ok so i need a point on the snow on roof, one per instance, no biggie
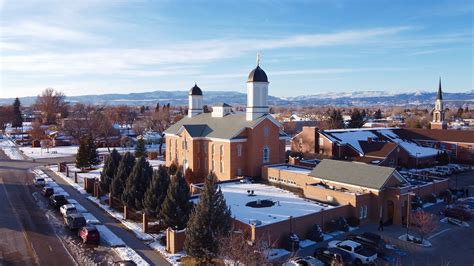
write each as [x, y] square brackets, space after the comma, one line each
[286, 203]
[293, 169]
[352, 137]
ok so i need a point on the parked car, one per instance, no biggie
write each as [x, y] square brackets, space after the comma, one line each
[89, 234]
[458, 213]
[124, 263]
[47, 191]
[75, 221]
[376, 246]
[67, 209]
[333, 256]
[57, 200]
[339, 224]
[306, 261]
[360, 254]
[39, 181]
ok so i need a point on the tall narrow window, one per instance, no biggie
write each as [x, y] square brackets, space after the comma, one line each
[212, 165]
[213, 149]
[222, 150]
[266, 132]
[222, 166]
[266, 154]
[239, 150]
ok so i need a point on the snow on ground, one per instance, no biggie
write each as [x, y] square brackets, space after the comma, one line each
[286, 203]
[78, 206]
[127, 253]
[90, 219]
[293, 169]
[108, 237]
[10, 149]
[306, 243]
[69, 180]
[276, 254]
[67, 151]
[174, 259]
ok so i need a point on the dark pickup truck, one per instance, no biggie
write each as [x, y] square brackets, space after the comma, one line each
[57, 200]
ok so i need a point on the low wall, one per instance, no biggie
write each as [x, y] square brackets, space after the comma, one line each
[276, 233]
[436, 187]
[329, 195]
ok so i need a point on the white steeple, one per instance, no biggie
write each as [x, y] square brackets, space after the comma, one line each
[257, 93]
[195, 101]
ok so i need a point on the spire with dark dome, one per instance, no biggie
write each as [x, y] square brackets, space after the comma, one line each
[195, 90]
[439, 95]
[257, 74]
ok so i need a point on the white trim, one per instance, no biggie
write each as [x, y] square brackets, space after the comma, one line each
[212, 139]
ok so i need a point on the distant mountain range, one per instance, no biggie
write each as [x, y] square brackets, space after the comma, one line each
[361, 98]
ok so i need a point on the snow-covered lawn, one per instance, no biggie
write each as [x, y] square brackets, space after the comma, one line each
[10, 149]
[286, 203]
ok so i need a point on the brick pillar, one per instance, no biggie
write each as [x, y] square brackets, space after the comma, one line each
[84, 183]
[59, 167]
[67, 171]
[110, 200]
[125, 212]
[75, 177]
[145, 223]
[96, 189]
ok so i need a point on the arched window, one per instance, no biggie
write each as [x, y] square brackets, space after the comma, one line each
[213, 149]
[222, 166]
[239, 150]
[266, 154]
[212, 165]
[222, 150]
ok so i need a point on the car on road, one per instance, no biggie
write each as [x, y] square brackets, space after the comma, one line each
[75, 221]
[124, 263]
[57, 200]
[306, 261]
[47, 191]
[360, 254]
[89, 234]
[67, 209]
[39, 181]
[333, 256]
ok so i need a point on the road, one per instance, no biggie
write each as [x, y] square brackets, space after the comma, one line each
[115, 226]
[26, 236]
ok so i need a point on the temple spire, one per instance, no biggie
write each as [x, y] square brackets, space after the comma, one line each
[439, 95]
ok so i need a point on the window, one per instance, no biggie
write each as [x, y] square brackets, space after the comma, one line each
[222, 166]
[212, 165]
[266, 132]
[199, 147]
[222, 150]
[361, 212]
[321, 142]
[171, 148]
[266, 154]
[239, 150]
[453, 146]
[213, 149]
[365, 211]
[443, 146]
[205, 164]
[301, 141]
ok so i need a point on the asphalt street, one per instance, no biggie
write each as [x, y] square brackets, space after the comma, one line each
[26, 236]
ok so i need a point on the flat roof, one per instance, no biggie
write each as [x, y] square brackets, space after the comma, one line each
[292, 168]
[286, 203]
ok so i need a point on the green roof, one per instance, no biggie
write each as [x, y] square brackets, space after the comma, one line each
[204, 125]
[354, 173]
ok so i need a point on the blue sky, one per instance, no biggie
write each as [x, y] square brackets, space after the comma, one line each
[307, 47]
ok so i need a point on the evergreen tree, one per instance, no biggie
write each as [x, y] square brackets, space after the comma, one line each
[92, 153]
[357, 119]
[124, 169]
[176, 207]
[140, 150]
[156, 192]
[210, 220]
[335, 119]
[137, 183]
[17, 119]
[378, 114]
[82, 155]
[110, 170]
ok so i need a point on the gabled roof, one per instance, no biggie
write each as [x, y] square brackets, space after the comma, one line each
[377, 149]
[227, 127]
[353, 173]
[355, 136]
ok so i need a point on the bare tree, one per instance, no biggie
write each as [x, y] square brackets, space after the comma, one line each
[78, 123]
[241, 251]
[424, 223]
[52, 105]
[36, 132]
[6, 116]
[159, 121]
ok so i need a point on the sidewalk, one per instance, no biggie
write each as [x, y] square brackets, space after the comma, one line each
[150, 255]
